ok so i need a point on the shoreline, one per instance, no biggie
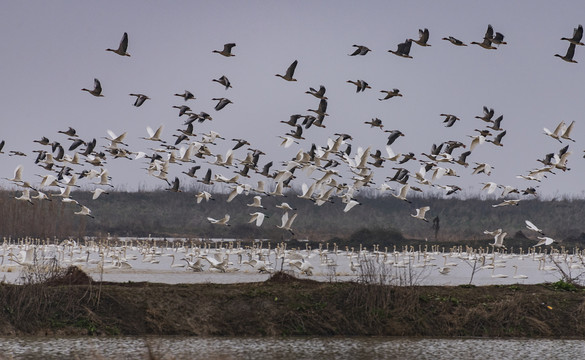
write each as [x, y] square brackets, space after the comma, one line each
[287, 306]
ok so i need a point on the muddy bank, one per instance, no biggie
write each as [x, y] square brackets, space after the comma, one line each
[286, 306]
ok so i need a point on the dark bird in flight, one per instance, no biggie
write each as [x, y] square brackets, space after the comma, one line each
[289, 72]
[121, 50]
[227, 50]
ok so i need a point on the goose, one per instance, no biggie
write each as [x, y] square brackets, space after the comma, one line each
[577, 36]
[322, 109]
[487, 39]
[175, 186]
[390, 94]
[207, 179]
[221, 103]
[498, 139]
[227, 50]
[257, 217]
[222, 221]
[85, 211]
[123, 47]
[292, 121]
[498, 39]
[223, 80]
[360, 50]
[187, 95]
[69, 132]
[487, 114]
[287, 222]
[360, 84]
[140, 99]
[97, 89]
[183, 109]
[288, 76]
[496, 123]
[423, 37]
[375, 122]
[297, 134]
[454, 41]
[482, 168]
[394, 134]
[449, 119]
[403, 49]
[568, 57]
[420, 213]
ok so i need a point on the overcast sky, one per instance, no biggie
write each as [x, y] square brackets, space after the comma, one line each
[52, 49]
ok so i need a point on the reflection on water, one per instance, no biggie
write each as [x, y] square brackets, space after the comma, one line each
[354, 348]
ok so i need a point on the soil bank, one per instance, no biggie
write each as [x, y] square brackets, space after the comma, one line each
[287, 306]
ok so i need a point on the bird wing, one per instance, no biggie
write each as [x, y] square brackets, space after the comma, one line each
[291, 69]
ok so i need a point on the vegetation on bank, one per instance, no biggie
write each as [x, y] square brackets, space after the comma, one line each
[384, 221]
[67, 302]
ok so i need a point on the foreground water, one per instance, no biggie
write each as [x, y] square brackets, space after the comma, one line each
[354, 348]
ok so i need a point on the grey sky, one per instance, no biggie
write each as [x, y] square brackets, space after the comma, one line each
[50, 50]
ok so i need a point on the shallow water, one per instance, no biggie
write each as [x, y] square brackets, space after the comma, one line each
[355, 348]
[398, 268]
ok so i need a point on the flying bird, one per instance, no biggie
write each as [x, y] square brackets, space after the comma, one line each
[454, 41]
[221, 103]
[140, 99]
[403, 49]
[577, 36]
[568, 57]
[97, 88]
[423, 37]
[227, 50]
[390, 94]
[420, 213]
[223, 80]
[360, 50]
[288, 76]
[123, 47]
[187, 95]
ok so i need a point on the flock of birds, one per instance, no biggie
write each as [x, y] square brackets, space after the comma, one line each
[337, 171]
[139, 256]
